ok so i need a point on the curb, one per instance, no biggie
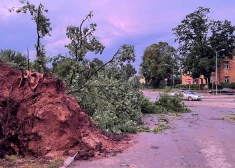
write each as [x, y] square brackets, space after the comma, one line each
[69, 161]
[218, 97]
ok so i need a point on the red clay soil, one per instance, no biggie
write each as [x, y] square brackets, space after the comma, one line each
[45, 121]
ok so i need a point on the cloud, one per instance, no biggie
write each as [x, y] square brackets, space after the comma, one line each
[137, 22]
[5, 5]
[57, 46]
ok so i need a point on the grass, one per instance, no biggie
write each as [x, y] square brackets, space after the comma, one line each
[56, 163]
[143, 128]
[160, 128]
[11, 158]
[162, 119]
[14, 161]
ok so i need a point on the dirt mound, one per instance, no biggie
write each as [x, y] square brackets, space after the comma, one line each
[44, 120]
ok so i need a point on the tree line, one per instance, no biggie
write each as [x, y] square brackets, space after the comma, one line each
[199, 37]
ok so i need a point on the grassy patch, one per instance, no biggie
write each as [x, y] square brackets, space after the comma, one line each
[55, 163]
[176, 114]
[143, 128]
[14, 161]
[160, 128]
[162, 119]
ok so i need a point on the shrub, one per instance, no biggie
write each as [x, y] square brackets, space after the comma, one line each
[147, 106]
[171, 103]
[224, 85]
[232, 85]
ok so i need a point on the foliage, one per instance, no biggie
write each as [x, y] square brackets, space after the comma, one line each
[171, 103]
[128, 71]
[42, 28]
[228, 85]
[147, 106]
[29, 162]
[160, 128]
[13, 58]
[195, 33]
[143, 128]
[232, 85]
[164, 104]
[159, 62]
[101, 89]
[157, 129]
[83, 40]
[113, 104]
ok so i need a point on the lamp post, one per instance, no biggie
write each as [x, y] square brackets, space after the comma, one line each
[216, 68]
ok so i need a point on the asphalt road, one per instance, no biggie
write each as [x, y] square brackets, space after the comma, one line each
[203, 138]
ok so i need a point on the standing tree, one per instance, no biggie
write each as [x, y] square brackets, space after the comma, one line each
[159, 62]
[128, 71]
[195, 33]
[42, 27]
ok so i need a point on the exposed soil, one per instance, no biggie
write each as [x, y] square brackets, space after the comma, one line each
[44, 121]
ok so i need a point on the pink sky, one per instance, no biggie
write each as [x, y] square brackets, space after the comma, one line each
[136, 22]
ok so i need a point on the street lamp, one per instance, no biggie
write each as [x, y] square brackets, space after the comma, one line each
[216, 68]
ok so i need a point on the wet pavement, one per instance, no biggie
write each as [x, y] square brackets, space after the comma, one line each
[203, 138]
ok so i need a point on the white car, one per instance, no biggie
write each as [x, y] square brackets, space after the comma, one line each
[187, 95]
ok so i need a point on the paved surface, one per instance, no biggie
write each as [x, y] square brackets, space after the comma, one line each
[197, 139]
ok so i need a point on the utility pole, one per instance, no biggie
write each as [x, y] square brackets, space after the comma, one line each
[216, 68]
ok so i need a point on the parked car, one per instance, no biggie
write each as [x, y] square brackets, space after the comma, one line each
[187, 95]
[224, 91]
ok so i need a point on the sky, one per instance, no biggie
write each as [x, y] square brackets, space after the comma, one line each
[135, 22]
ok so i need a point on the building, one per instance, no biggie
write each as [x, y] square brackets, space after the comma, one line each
[226, 74]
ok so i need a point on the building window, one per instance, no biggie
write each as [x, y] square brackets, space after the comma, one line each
[226, 65]
[226, 79]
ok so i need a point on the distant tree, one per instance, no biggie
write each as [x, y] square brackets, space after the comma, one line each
[159, 61]
[195, 33]
[13, 58]
[42, 28]
[128, 71]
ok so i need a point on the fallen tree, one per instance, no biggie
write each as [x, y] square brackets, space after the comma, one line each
[43, 120]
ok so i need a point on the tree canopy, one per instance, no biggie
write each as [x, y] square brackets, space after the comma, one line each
[14, 58]
[159, 62]
[195, 34]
